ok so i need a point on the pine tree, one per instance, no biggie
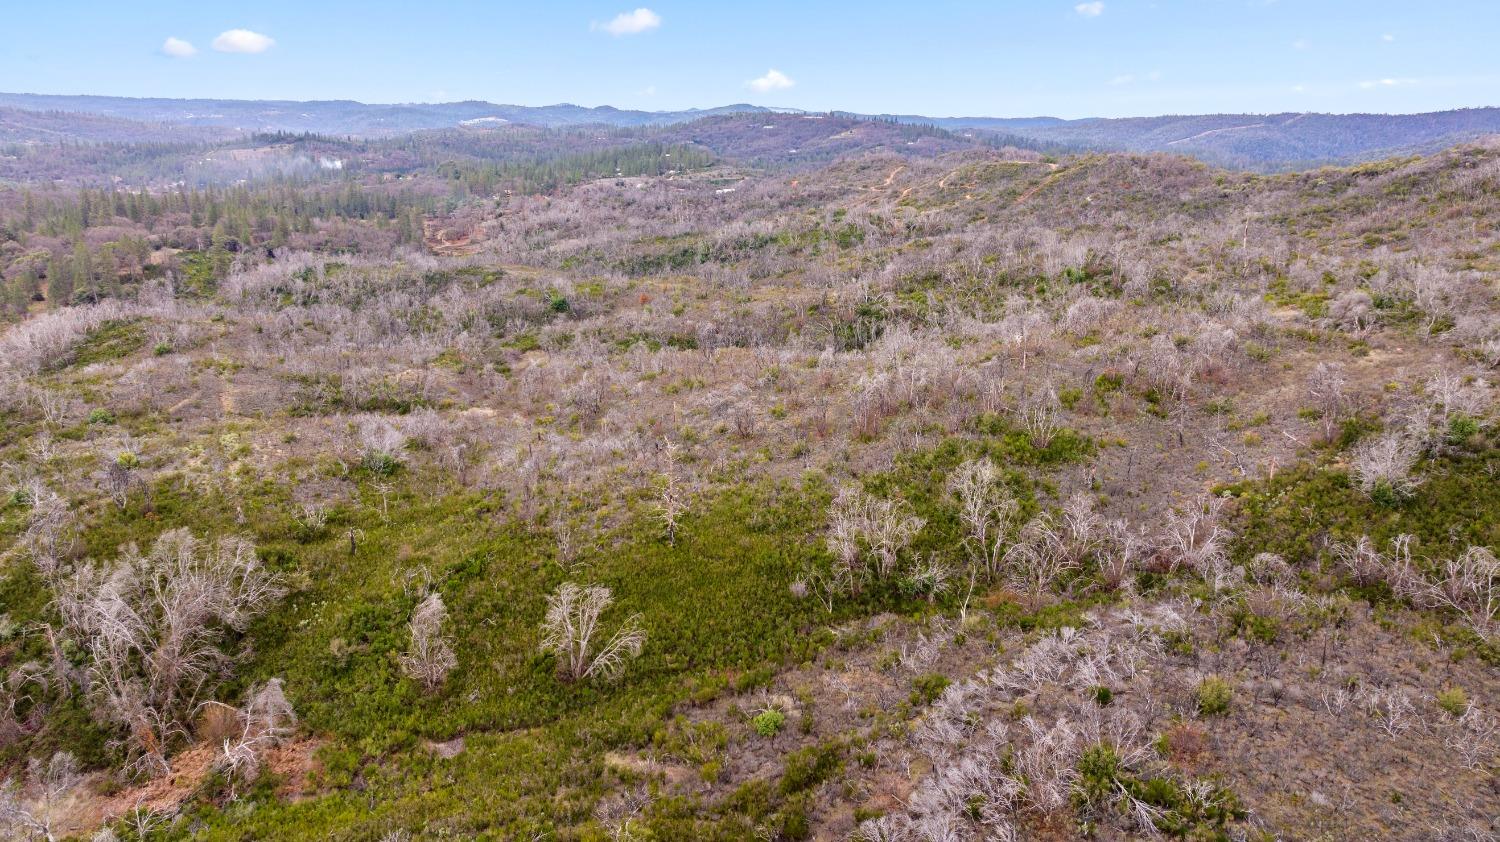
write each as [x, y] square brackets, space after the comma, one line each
[83, 271]
[282, 233]
[59, 282]
[220, 260]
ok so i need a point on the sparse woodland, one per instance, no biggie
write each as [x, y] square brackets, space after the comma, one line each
[901, 489]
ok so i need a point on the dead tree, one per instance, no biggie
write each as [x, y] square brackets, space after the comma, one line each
[429, 658]
[571, 631]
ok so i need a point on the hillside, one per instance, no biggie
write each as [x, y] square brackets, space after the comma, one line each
[842, 479]
[1271, 141]
[52, 127]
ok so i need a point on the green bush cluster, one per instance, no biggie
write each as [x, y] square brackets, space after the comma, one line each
[1214, 695]
[1183, 812]
[768, 723]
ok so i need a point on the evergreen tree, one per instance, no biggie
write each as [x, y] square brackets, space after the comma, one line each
[83, 272]
[59, 282]
[220, 260]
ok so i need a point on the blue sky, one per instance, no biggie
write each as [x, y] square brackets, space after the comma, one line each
[938, 57]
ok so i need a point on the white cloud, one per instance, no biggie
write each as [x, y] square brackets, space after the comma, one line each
[632, 23]
[1090, 10]
[243, 41]
[1123, 79]
[649, 90]
[1371, 84]
[178, 48]
[1388, 38]
[1300, 44]
[774, 80]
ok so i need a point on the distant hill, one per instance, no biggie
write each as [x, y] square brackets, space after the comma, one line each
[797, 139]
[19, 126]
[1269, 142]
[1263, 141]
[349, 117]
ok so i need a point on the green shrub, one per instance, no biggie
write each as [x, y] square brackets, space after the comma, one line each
[1462, 428]
[1386, 494]
[1098, 771]
[768, 723]
[1214, 695]
[925, 689]
[1454, 700]
[808, 767]
[748, 680]
[381, 464]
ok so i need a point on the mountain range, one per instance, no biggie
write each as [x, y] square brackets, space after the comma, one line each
[1247, 141]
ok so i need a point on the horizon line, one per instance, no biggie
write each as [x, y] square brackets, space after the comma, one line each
[776, 109]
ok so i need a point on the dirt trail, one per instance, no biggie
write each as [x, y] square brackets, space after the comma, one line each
[943, 182]
[1037, 189]
[1212, 132]
[1028, 194]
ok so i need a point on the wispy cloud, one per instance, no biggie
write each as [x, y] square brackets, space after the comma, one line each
[1388, 37]
[1090, 10]
[631, 23]
[1372, 84]
[243, 41]
[178, 48]
[774, 80]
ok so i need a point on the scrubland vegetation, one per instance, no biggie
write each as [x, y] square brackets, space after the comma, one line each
[916, 491]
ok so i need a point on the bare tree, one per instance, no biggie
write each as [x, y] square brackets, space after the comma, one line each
[1385, 465]
[1192, 537]
[266, 720]
[1326, 388]
[843, 539]
[1468, 584]
[51, 530]
[985, 511]
[1475, 737]
[1363, 562]
[429, 658]
[868, 536]
[571, 630]
[50, 783]
[1039, 416]
[1121, 551]
[889, 527]
[1039, 556]
[153, 627]
[671, 502]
